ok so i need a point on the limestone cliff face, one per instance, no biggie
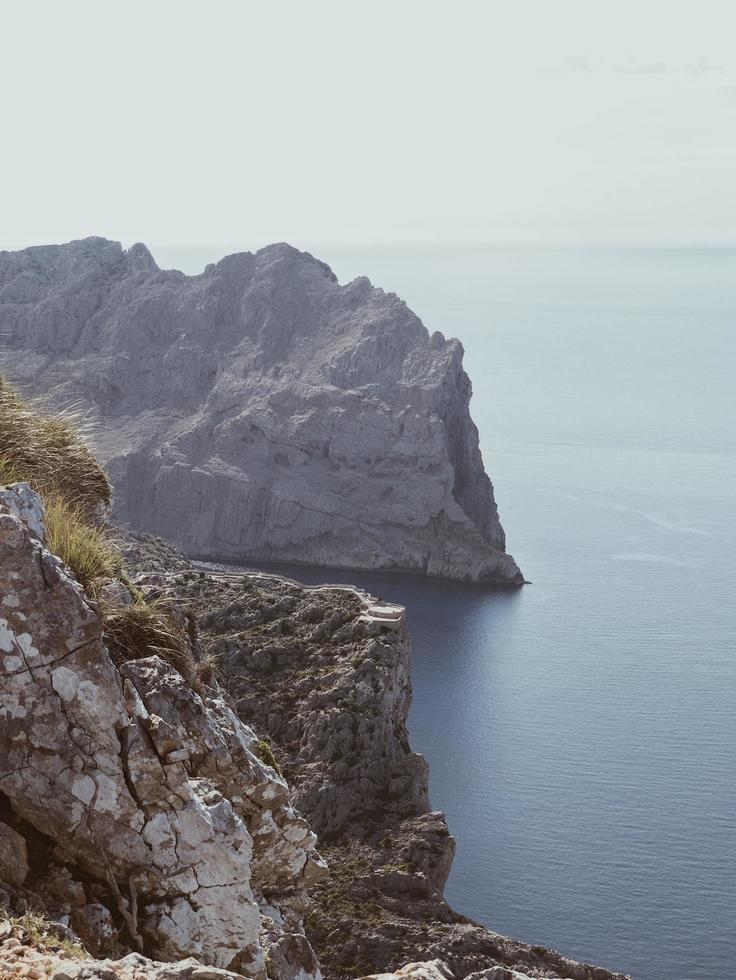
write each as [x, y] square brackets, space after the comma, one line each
[260, 409]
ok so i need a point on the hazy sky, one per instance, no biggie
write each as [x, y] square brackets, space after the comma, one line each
[242, 122]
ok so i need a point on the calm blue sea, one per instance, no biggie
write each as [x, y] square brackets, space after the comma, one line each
[582, 732]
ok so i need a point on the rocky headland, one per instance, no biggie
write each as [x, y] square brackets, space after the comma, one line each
[206, 775]
[323, 673]
[261, 409]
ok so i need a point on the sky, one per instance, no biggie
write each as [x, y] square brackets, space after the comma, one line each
[362, 121]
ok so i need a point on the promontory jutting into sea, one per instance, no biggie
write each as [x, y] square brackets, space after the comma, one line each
[206, 746]
[367, 469]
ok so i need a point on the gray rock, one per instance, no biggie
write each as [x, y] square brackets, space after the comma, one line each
[22, 501]
[115, 593]
[13, 857]
[260, 409]
[499, 973]
[142, 783]
[94, 925]
[290, 957]
[19, 961]
[427, 970]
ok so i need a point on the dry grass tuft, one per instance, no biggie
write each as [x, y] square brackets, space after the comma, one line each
[48, 451]
[34, 930]
[86, 548]
[147, 628]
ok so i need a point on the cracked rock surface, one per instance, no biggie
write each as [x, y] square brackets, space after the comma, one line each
[139, 788]
[261, 409]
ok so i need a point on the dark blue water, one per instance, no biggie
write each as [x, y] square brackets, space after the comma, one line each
[582, 732]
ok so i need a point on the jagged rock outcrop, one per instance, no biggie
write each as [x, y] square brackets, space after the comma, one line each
[336, 668]
[260, 409]
[136, 788]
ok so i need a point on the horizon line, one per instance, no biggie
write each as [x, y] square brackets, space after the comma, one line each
[240, 245]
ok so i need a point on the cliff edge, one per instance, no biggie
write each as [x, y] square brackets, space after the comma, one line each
[261, 409]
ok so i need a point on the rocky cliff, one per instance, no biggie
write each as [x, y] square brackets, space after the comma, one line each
[129, 803]
[174, 741]
[324, 674]
[151, 825]
[260, 409]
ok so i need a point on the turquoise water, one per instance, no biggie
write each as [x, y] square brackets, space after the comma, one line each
[581, 732]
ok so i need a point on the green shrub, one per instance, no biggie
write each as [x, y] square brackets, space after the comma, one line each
[265, 753]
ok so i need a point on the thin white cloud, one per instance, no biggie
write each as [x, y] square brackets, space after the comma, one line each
[697, 68]
[583, 64]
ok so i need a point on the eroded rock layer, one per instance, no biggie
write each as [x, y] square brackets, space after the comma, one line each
[260, 409]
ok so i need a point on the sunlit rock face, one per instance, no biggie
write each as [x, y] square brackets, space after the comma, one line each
[134, 781]
[260, 409]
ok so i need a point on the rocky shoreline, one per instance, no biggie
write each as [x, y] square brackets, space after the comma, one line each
[181, 749]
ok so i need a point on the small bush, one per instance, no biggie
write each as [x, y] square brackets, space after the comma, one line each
[143, 629]
[148, 628]
[265, 753]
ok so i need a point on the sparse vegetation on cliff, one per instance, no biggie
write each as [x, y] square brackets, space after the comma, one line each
[85, 547]
[42, 935]
[48, 451]
[148, 627]
[265, 753]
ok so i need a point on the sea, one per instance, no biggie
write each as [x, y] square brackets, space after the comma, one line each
[581, 731]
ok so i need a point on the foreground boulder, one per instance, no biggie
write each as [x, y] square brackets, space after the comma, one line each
[148, 797]
[260, 409]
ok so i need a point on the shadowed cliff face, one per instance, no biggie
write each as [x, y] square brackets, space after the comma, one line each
[261, 409]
